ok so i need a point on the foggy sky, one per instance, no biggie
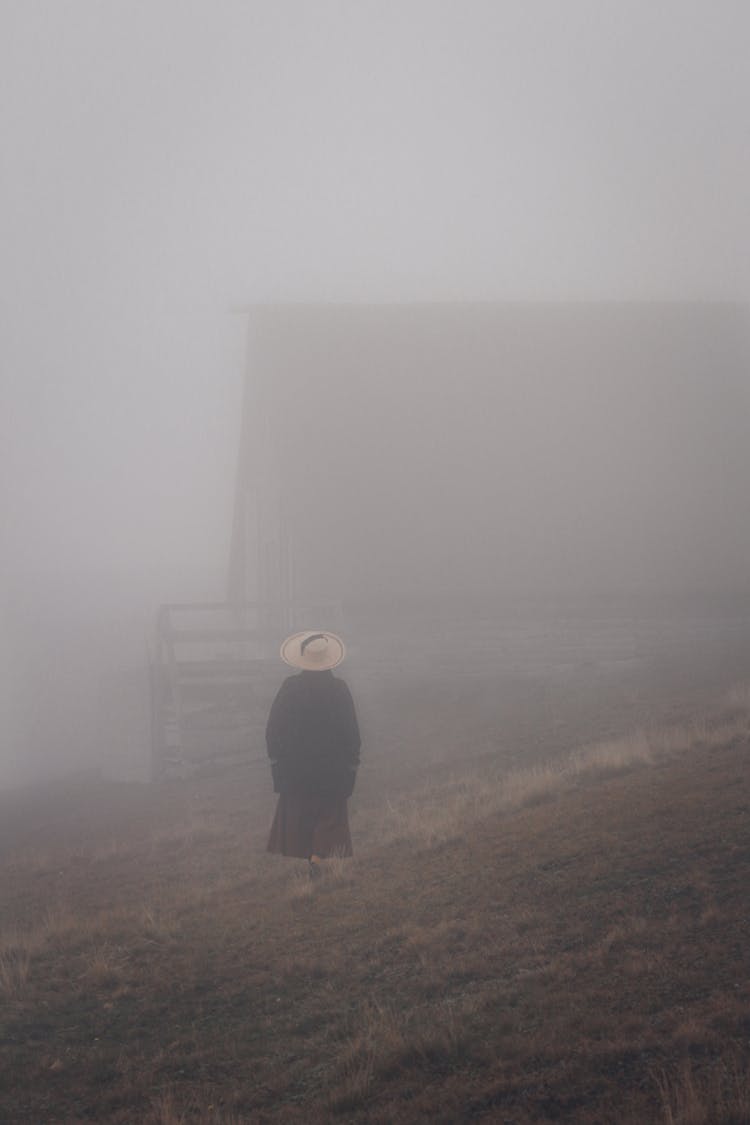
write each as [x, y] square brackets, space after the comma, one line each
[163, 162]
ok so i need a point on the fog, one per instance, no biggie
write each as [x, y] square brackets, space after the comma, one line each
[450, 451]
[168, 167]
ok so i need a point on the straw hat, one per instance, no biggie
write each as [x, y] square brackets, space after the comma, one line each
[313, 651]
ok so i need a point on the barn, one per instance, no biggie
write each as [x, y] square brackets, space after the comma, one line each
[440, 463]
[408, 451]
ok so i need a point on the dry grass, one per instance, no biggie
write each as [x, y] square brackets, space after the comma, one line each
[167, 1109]
[387, 1042]
[300, 885]
[436, 814]
[613, 755]
[559, 943]
[106, 965]
[15, 965]
[336, 870]
[708, 1095]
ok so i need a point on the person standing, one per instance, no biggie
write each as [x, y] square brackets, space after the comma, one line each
[313, 742]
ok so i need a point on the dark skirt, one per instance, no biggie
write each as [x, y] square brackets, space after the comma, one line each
[308, 824]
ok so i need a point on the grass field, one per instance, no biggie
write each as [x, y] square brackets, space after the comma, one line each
[569, 942]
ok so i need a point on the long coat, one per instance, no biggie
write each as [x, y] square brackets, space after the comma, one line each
[312, 736]
[313, 742]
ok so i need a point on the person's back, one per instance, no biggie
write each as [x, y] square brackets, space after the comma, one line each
[313, 741]
[313, 736]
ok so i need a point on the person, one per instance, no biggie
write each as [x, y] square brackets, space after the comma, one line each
[313, 742]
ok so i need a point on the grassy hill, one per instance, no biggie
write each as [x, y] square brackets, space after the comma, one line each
[567, 943]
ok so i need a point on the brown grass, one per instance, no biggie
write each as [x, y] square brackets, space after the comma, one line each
[435, 814]
[562, 943]
[15, 965]
[167, 1109]
[705, 1095]
[388, 1042]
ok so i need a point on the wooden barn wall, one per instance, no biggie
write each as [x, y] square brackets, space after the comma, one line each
[449, 450]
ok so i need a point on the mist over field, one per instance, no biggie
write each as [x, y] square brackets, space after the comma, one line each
[167, 168]
[426, 323]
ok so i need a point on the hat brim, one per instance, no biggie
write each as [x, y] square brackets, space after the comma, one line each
[292, 654]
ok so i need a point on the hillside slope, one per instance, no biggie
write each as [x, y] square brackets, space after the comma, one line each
[582, 958]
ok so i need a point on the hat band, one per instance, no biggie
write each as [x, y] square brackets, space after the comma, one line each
[312, 637]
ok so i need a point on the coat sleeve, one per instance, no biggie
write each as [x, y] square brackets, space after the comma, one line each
[277, 727]
[352, 742]
[278, 736]
[351, 738]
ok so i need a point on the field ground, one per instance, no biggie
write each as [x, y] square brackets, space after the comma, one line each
[563, 941]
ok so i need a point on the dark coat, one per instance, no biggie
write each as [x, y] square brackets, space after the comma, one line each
[312, 736]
